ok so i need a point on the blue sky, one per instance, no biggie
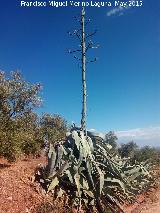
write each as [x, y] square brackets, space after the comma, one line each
[123, 85]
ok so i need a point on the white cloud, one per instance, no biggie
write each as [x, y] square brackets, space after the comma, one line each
[92, 130]
[118, 10]
[115, 11]
[142, 136]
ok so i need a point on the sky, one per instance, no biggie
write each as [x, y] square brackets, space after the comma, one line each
[123, 85]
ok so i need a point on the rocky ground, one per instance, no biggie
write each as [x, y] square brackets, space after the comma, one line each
[20, 194]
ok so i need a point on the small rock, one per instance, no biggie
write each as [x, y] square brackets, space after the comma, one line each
[27, 210]
[9, 198]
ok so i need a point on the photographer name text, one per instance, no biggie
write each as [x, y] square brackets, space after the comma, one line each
[56, 4]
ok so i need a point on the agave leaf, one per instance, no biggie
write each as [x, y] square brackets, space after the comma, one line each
[134, 176]
[81, 169]
[53, 184]
[89, 141]
[86, 145]
[92, 202]
[77, 181]
[68, 173]
[101, 184]
[59, 155]
[51, 160]
[63, 168]
[60, 193]
[132, 171]
[76, 139]
[85, 185]
[116, 181]
[89, 193]
[100, 177]
[89, 174]
[51, 150]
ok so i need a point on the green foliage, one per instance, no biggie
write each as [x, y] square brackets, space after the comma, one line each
[22, 131]
[149, 154]
[9, 145]
[90, 175]
[19, 130]
[32, 136]
[17, 96]
[54, 127]
[128, 149]
[111, 139]
[137, 154]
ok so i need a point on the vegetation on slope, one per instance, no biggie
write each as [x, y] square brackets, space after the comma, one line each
[22, 130]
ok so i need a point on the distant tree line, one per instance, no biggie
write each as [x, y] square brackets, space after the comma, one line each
[22, 130]
[132, 150]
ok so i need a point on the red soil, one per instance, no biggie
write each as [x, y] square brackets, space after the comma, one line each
[20, 194]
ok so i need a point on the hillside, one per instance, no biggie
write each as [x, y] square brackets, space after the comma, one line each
[20, 194]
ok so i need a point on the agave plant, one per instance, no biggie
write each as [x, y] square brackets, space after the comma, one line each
[91, 175]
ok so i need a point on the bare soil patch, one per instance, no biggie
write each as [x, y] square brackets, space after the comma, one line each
[18, 193]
